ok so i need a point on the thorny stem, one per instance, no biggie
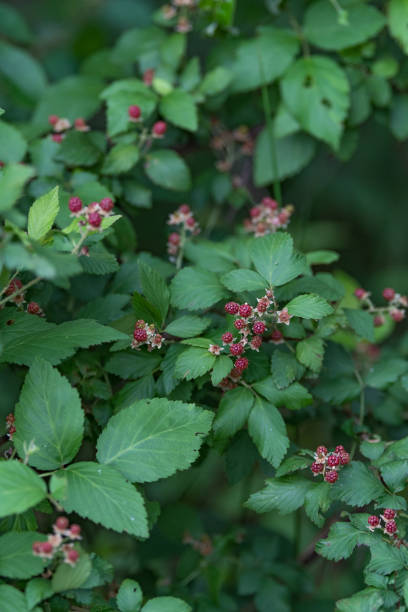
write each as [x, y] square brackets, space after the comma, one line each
[24, 288]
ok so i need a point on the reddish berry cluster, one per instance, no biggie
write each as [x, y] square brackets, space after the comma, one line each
[328, 463]
[35, 309]
[59, 543]
[183, 217]
[177, 11]
[146, 334]
[135, 116]
[10, 426]
[231, 146]
[397, 304]
[13, 291]
[60, 125]
[386, 522]
[90, 216]
[267, 217]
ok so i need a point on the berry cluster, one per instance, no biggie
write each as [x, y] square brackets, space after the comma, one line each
[396, 305]
[90, 216]
[135, 116]
[267, 217]
[230, 146]
[13, 291]
[60, 125]
[146, 334]
[10, 426]
[386, 522]
[328, 463]
[60, 543]
[179, 11]
[183, 217]
[35, 309]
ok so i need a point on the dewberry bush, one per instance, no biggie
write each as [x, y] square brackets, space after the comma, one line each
[218, 421]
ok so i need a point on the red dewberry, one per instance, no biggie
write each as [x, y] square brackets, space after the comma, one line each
[190, 222]
[159, 128]
[256, 342]
[14, 285]
[94, 219]
[331, 476]
[258, 327]
[80, 123]
[333, 460]
[373, 520]
[231, 307]
[339, 448]
[379, 320]
[37, 547]
[276, 335]
[397, 315]
[321, 450]
[389, 514]
[344, 458]
[245, 310]
[269, 203]
[72, 555]
[106, 204]
[227, 337]
[239, 324]
[255, 211]
[388, 294]
[174, 238]
[360, 293]
[390, 527]
[241, 363]
[316, 467]
[140, 335]
[134, 111]
[236, 349]
[235, 373]
[52, 119]
[62, 523]
[75, 204]
[57, 138]
[75, 529]
[33, 308]
[46, 547]
[184, 209]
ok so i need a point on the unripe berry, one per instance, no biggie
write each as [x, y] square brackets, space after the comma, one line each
[75, 530]
[270, 203]
[390, 527]
[389, 514]
[33, 308]
[62, 523]
[184, 209]
[316, 467]
[94, 219]
[331, 476]
[148, 76]
[333, 460]
[134, 112]
[241, 363]
[14, 286]
[245, 310]
[360, 293]
[227, 337]
[239, 324]
[190, 222]
[159, 129]
[57, 138]
[36, 547]
[236, 349]
[321, 450]
[75, 204]
[46, 547]
[388, 294]
[52, 119]
[258, 327]
[174, 238]
[339, 448]
[276, 335]
[379, 320]
[140, 335]
[255, 211]
[397, 314]
[231, 307]
[72, 556]
[373, 520]
[256, 342]
[344, 458]
[106, 204]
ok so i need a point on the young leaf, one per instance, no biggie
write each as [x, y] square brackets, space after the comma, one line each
[153, 439]
[274, 259]
[196, 289]
[42, 214]
[361, 322]
[49, 414]
[310, 352]
[309, 306]
[179, 108]
[194, 362]
[130, 596]
[68, 577]
[283, 494]
[20, 486]
[16, 555]
[268, 431]
[154, 288]
[222, 367]
[166, 604]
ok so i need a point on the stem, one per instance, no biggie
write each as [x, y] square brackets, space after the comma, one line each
[24, 288]
[80, 243]
[179, 260]
[6, 286]
[362, 408]
[272, 144]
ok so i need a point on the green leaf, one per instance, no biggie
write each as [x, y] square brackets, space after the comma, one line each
[274, 259]
[42, 214]
[194, 362]
[167, 169]
[37, 590]
[16, 555]
[268, 431]
[188, 326]
[323, 28]
[196, 289]
[48, 413]
[13, 146]
[23, 71]
[122, 94]
[166, 604]
[13, 25]
[318, 498]
[12, 600]
[21, 488]
[133, 365]
[293, 153]
[215, 81]
[233, 412]
[153, 439]
[316, 91]
[283, 494]
[361, 322]
[222, 367]
[369, 486]
[243, 280]
[386, 559]
[398, 22]
[293, 397]
[130, 596]
[368, 600]
[178, 107]
[385, 372]
[104, 309]
[310, 352]
[121, 158]
[315, 258]
[309, 306]
[78, 149]
[399, 113]
[395, 474]
[144, 310]
[99, 493]
[284, 367]
[12, 181]
[292, 464]
[68, 577]
[340, 543]
[154, 288]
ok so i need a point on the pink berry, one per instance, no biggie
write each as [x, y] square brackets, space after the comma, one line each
[245, 310]
[231, 308]
[241, 363]
[33, 308]
[333, 460]
[373, 520]
[344, 458]
[316, 467]
[397, 314]
[174, 238]
[255, 211]
[148, 76]
[75, 204]
[236, 349]
[339, 448]
[184, 209]
[360, 293]
[227, 337]
[321, 450]
[106, 204]
[14, 285]
[75, 530]
[256, 342]
[62, 523]
[72, 555]
[140, 335]
[276, 335]
[46, 547]
[390, 527]
[270, 203]
[52, 119]
[388, 294]
[94, 219]
[331, 476]
[57, 138]
[159, 129]
[389, 514]
[37, 548]
[190, 222]
[258, 327]
[134, 111]
[239, 324]
[379, 321]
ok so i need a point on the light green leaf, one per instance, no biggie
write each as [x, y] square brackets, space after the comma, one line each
[243, 280]
[310, 352]
[222, 367]
[268, 431]
[361, 322]
[398, 22]
[292, 464]
[167, 169]
[309, 306]
[12, 144]
[49, 414]
[179, 108]
[368, 600]
[233, 412]
[315, 258]
[42, 214]
[154, 288]
[36, 590]
[274, 259]
[399, 113]
[284, 367]
[369, 486]
[12, 181]
[166, 604]
[100, 493]
[12, 600]
[121, 158]
[196, 289]
[130, 596]
[188, 326]
[23, 71]
[283, 494]
[21, 488]
[67, 577]
[16, 555]
[194, 362]
[215, 81]
[293, 397]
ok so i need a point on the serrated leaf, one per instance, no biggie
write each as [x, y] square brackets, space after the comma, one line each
[42, 214]
[233, 412]
[154, 288]
[36, 590]
[194, 362]
[49, 414]
[68, 577]
[398, 22]
[153, 439]
[196, 289]
[12, 180]
[283, 494]
[12, 600]
[21, 488]
[100, 493]
[292, 464]
[395, 474]
[274, 259]
[222, 367]
[268, 431]
[318, 498]
[293, 397]
[167, 169]
[284, 368]
[309, 306]
[342, 539]
[243, 280]
[188, 326]
[386, 558]
[130, 596]
[368, 489]
[16, 555]
[368, 600]
[361, 322]
[121, 158]
[179, 108]
[385, 372]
